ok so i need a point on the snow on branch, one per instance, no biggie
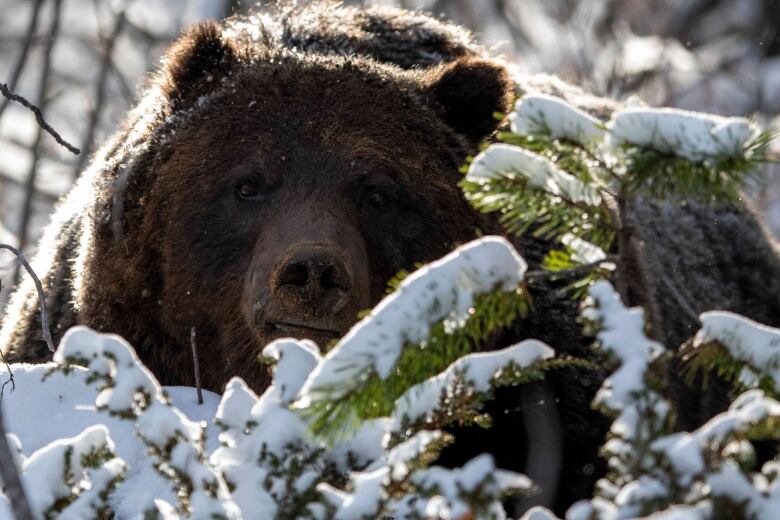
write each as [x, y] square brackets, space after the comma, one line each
[621, 334]
[454, 488]
[443, 290]
[267, 454]
[500, 160]
[468, 376]
[544, 114]
[130, 391]
[70, 478]
[277, 468]
[692, 135]
[678, 474]
[749, 342]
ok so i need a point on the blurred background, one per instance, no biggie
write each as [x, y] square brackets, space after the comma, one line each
[82, 62]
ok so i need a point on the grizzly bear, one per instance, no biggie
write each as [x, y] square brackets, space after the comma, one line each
[280, 169]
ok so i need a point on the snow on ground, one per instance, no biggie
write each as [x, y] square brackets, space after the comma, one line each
[39, 414]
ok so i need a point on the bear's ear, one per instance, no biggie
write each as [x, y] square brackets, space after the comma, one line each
[196, 62]
[468, 92]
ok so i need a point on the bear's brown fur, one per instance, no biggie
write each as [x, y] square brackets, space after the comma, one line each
[279, 169]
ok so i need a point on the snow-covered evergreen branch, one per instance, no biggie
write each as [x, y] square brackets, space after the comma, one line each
[130, 391]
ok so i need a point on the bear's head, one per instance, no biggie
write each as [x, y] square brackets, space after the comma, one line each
[287, 189]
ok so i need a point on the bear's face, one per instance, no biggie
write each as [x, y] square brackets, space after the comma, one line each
[296, 190]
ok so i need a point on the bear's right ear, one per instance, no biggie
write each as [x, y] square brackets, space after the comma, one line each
[193, 65]
[467, 93]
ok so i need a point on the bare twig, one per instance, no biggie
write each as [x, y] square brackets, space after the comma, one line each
[12, 482]
[46, 334]
[4, 89]
[10, 381]
[100, 90]
[42, 101]
[195, 365]
[32, 28]
[10, 373]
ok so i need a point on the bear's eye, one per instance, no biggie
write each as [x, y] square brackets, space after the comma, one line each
[248, 191]
[376, 197]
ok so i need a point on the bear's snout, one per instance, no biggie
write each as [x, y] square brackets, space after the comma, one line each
[312, 280]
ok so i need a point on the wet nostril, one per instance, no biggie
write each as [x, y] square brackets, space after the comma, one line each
[294, 273]
[334, 277]
[326, 278]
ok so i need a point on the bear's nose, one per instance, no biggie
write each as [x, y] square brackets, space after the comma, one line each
[312, 280]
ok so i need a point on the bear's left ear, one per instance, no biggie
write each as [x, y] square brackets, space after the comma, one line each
[468, 92]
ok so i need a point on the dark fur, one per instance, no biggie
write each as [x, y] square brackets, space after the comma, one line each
[148, 244]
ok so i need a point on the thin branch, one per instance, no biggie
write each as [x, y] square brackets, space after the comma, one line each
[196, 365]
[12, 482]
[100, 90]
[5, 90]
[11, 379]
[46, 334]
[42, 100]
[32, 28]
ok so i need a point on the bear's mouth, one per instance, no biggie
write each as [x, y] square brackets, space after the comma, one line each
[303, 330]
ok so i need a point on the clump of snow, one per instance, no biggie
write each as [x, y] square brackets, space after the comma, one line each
[455, 485]
[261, 434]
[584, 252]
[544, 114]
[692, 135]
[622, 335]
[60, 472]
[687, 452]
[442, 290]
[746, 340]
[499, 160]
